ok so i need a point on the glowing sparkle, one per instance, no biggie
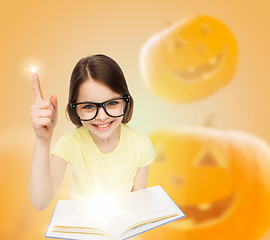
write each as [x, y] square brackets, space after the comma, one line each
[31, 69]
[102, 206]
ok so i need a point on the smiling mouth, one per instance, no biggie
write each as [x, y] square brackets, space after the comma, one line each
[103, 126]
[203, 71]
[204, 214]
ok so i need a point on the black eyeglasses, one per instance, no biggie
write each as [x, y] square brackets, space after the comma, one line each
[115, 107]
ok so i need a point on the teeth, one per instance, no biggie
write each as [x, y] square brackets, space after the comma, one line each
[186, 223]
[206, 76]
[213, 61]
[191, 70]
[103, 126]
[204, 206]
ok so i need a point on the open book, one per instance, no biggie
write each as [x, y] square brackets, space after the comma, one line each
[132, 214]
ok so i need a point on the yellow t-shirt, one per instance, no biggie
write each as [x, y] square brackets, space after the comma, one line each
[109, 173]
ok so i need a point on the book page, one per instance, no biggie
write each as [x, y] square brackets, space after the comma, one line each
[76, 218]
[140, 229]
[142, 207]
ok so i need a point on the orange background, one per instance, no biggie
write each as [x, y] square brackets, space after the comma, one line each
[54, 35]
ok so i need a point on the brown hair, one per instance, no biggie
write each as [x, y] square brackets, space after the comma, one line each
[102, 69]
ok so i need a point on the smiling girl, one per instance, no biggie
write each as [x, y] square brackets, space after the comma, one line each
[106, 155]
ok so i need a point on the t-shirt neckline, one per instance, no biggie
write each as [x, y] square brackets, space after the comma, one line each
[97, 148]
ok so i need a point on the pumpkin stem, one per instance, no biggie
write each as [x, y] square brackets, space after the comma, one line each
[167, 22]
[209, 120]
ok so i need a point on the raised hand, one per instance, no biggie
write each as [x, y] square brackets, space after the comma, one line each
[43, 112]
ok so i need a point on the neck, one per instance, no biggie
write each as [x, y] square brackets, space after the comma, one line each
[107, 145]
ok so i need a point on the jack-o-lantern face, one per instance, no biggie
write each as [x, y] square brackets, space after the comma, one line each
[218, 179]
[190, 60]
[200, 166]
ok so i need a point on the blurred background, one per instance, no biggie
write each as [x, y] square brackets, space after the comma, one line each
[54, 35]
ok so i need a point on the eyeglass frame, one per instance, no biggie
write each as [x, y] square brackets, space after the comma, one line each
[101, 105]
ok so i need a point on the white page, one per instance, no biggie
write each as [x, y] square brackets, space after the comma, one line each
[149, 203]
[149, 226]
[74, 214]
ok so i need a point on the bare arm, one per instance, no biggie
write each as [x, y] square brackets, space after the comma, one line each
[140, 180]
[46, 173]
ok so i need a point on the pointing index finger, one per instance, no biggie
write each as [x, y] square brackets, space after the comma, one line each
[36, 87]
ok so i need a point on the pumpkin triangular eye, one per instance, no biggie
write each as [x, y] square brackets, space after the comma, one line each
[160, 153]
[211, 157]
[179, 43]
[208, 160]
[176, 180]
[205, 29]
[160, 158]
[176, 44]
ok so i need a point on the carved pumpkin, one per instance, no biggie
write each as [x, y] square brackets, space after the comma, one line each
[220, 180]
[190, 60]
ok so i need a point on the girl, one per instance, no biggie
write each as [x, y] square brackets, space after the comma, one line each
[105, 154]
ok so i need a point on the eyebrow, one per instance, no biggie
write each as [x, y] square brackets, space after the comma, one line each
[99, 102]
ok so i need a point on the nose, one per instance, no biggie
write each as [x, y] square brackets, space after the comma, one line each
[102, 115]
[177, 180]
[201, 48]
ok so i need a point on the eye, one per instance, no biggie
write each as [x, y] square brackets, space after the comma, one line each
[211, 157]
[179, 43]
[207, 160]
[176, 180]
[160, 152]
[205, 29]
[160, 158]
[88, 106]
[112, 103]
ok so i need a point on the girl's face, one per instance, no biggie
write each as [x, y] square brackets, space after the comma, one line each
[102, 126]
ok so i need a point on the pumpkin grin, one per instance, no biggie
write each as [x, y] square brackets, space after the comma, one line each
[205, 213]
[203, 71]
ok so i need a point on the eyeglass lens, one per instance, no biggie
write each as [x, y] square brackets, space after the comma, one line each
[114, 108]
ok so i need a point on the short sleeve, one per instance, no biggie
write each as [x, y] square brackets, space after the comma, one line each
[147, 153]
[63, 148]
